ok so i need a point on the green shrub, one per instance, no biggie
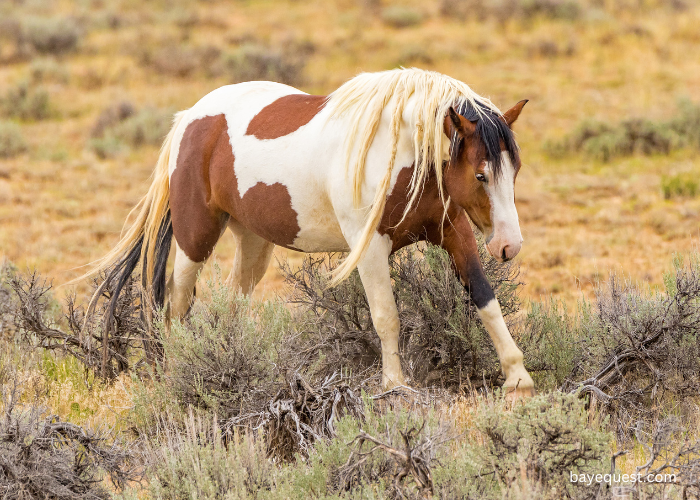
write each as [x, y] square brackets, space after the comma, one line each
[181, 61]
[26, 102]
[606, 141]
[108, 147]
[637, 352]
[548, 337]
[12, 141]
[147, 127]
[538, 444]
[503, 10]
[121, 127]
[52, 35]
[679, 185]
[224, 355]
[194, 462]
[533, 447]
[687, 124]
[253, 61]
[401, 17]
[48, 70]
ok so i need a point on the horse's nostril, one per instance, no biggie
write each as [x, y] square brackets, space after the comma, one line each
[504, 256]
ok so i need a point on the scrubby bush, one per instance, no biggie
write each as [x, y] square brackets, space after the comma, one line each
[686, 124]
[48, 70]
[540, 443]
[633, 350]
[366, 459]
[79, 332]
[223, 355]
[504, 10]
[253, 61]
[548, 336]
[395, 452]
[679, 185]
[12, 141]
[605, 141]
[147, 127]
[198, 464]
[181, 61]
[44, 457]
[441, 340]
[237, 360]
[121, 127]
[51, 35]
[401, 17]
[25, 102]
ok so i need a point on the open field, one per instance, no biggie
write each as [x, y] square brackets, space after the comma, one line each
[610, 184]
[62, 206]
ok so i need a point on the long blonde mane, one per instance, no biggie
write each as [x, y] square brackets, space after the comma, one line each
[363, 100]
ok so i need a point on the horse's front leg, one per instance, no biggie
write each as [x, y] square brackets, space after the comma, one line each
[460, 243]
[376, 279]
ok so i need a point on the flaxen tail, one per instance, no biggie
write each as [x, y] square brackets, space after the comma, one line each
[147, 241]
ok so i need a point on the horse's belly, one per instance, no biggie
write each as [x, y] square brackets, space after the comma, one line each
[319, 230]
[299, 221]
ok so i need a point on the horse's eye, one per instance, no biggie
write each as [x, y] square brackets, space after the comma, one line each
[481, 177]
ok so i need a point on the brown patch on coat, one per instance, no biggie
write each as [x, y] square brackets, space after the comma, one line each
[285, 115]
[267, 211]
[423, 219]
[204, 194]
[425, 222]
[197, 225]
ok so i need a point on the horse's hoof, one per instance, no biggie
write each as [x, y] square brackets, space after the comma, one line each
[389, 383]
[521, 388]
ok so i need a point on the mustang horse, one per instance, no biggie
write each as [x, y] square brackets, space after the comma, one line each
[387, 159]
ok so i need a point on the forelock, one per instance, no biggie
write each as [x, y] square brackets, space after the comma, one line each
[491, 129]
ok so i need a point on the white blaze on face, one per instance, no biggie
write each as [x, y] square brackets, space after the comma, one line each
[506, 239]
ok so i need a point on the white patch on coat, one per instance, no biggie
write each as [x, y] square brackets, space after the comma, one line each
[504, 215]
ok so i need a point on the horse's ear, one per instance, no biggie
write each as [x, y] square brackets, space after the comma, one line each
[513, 113]
[457, 122]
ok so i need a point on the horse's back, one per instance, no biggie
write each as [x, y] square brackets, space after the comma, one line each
[251, 151]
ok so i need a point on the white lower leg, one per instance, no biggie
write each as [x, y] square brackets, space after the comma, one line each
[388, 330]
[376, 278]
[508, 353]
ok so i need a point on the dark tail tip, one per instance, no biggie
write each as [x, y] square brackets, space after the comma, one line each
[165, 236]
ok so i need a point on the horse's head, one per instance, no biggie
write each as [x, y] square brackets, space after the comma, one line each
[480, 176]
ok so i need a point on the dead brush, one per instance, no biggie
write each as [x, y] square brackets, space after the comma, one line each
[44, 457]
[301, 414]
[672, 467]
[639, 353]
[38, 324]
[408, 462]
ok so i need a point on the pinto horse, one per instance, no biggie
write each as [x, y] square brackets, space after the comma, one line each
[387, 159]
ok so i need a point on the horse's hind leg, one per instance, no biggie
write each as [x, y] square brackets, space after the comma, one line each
[181, 283]
[251, 260]
[196, 243]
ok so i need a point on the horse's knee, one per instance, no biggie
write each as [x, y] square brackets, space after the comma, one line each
[386, 322]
